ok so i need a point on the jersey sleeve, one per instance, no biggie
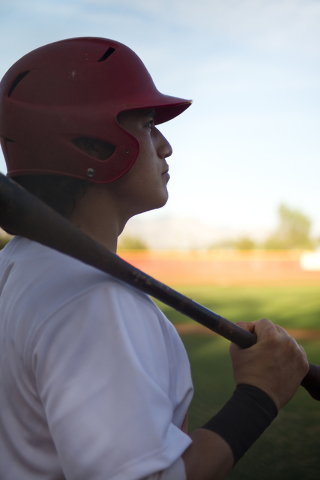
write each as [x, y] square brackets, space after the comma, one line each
[114, 381]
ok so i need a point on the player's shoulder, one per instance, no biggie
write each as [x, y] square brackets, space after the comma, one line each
[38, 272]
[35, 260]
[35, 271]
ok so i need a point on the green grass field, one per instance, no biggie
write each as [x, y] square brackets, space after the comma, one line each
[290, 448]
[290, 307]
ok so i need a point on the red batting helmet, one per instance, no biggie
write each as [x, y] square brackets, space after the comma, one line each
[70, 89]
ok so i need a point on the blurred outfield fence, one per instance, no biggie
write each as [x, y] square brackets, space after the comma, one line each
[228, 267]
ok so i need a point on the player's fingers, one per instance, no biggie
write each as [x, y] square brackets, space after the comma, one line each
[303, 352]
[250, 327]
[282, 331]
[247, 326]
[289, 340]
[265, 328]
[285, 335]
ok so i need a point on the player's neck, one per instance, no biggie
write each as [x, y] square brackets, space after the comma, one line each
[97, 214]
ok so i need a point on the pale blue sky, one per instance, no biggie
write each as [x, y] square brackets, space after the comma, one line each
[251, 139]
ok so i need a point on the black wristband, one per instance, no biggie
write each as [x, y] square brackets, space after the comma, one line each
[243, 418]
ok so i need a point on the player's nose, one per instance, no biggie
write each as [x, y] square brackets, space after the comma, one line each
[164, 148]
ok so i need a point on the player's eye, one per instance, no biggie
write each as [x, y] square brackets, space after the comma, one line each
[150, 124]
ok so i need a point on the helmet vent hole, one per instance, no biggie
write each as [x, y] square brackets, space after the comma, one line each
[17, 81]
[107, 54]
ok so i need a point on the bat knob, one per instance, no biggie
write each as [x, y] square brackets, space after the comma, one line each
[311, 381]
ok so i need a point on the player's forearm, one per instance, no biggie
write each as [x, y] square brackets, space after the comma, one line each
[224, 439]
[208, 457]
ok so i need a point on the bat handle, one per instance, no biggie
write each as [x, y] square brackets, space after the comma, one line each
[311, 381]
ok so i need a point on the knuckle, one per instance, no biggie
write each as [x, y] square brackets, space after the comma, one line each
[272, 337]
[264, 322]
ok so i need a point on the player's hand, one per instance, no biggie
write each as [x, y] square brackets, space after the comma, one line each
[276, 363]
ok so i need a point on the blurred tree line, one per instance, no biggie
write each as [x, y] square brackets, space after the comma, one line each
[292, 232]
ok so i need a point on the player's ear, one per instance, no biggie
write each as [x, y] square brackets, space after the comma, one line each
[94, 147]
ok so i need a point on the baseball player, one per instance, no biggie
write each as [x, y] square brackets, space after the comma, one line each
[94, 381]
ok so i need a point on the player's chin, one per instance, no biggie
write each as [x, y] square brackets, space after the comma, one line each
[160, 200]
[165, 197]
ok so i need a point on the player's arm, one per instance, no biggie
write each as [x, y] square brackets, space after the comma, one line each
[267, 376]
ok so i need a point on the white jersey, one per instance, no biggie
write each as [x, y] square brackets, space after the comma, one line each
[94, 382]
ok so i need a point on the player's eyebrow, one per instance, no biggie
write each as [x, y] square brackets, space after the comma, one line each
[141, 114]
[147, 113]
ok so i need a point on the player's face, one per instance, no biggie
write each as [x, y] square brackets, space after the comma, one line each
[146, 182]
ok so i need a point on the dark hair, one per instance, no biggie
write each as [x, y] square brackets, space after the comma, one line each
[59, 192]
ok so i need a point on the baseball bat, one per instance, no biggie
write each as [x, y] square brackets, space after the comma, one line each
[21, 213]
